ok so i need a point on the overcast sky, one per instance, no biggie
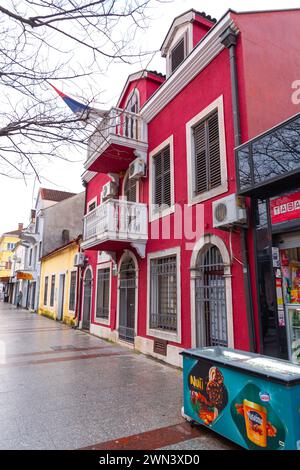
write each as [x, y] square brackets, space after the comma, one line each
[16, 198]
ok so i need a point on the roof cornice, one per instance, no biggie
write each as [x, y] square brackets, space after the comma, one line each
[197, 60]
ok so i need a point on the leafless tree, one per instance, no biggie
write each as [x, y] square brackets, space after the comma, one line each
[44, 41]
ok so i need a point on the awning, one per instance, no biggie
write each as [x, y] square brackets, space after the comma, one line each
[24, 276]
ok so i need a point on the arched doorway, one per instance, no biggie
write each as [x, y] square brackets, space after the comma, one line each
[210, 298]
[87, 295]
[127, 300]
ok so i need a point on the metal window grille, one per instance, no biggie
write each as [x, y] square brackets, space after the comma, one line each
[162, 178]
[103, 278]
[72, 298]
[211, 315]
[163, 294]
[177, 55]
[52, 291]
[46, 290]
[207, 164]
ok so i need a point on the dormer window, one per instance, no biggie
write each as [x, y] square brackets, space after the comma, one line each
[177, 55]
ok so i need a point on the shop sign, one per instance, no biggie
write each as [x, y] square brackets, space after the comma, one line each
[285, 208]
[24, 276]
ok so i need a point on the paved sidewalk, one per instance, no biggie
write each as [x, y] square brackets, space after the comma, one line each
[62, 388]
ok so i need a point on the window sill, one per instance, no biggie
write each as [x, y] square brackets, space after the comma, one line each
[208, 195]
[102, 321]
[168, 336]
[160, 214]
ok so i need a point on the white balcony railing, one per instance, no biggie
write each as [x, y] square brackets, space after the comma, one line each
[117, 123]
[116, 219]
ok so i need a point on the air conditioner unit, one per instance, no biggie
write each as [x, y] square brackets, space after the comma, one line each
[79, 260]
[137, 168]
[109, 190]
[229, 211]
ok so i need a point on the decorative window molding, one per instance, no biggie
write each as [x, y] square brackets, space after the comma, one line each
[215, 106]
[184, 34]
[98, 319]
[164, 211]
[199, 246]
[159, 333]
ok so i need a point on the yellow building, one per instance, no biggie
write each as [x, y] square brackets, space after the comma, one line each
[8, 241]
[59, 281]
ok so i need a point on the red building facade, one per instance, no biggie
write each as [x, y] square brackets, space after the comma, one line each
[167, 267]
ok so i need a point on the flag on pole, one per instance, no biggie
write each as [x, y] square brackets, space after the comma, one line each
[80, 108]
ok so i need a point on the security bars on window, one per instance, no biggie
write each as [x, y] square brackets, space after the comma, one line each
[102, 309]
[163, 294]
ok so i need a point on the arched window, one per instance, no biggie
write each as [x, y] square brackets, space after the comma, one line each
[210, 292]
[131, 124]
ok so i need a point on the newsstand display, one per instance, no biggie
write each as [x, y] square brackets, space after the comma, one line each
[252, 400]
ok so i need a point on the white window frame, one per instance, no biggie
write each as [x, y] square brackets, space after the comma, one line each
[91, 201]
[187, 35]
[169, 210]
[174, 337]
[216, 105]
[103, 321]
[136, 92]
[75, 304]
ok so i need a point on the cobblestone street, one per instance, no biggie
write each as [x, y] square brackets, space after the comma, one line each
[62, 388]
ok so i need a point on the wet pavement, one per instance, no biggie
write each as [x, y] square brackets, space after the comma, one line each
[61, 388]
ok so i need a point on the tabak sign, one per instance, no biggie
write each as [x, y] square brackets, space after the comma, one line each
[285, 208]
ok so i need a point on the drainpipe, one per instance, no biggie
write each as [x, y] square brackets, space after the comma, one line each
[229, 40]
[80, 271]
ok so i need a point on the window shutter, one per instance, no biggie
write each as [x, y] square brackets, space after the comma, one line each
[162, 179]
[177, 55]
[207, 165]
[214, 151]
[200, 159]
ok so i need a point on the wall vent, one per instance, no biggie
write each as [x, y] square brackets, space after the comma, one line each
[160, 346]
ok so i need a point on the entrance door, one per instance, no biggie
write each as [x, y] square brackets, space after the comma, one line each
[87, 294]
[61, 297]
[211, 314]
[127, 288]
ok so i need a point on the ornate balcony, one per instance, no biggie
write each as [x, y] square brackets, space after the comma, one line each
[119, 137]
[115, 224]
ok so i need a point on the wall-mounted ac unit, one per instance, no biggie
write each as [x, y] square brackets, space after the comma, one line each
[79, 260]
[229, 211]
[137, 169]
[109, 190]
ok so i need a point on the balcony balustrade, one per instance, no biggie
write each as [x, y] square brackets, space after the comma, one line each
[116, 139]
[114, 223]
